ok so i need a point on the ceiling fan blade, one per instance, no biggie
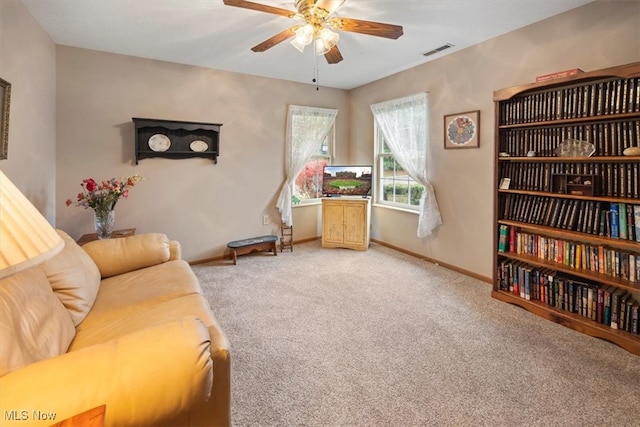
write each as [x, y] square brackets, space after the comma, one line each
[371, 28]
[329, 6]
[333, 56]
[278, 38]
[260, 7]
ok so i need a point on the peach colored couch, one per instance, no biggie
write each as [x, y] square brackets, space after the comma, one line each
[120, 322]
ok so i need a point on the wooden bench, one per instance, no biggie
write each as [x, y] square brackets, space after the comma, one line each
[246, 246]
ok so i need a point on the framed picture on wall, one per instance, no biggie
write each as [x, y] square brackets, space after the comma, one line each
[462, 130]
[5, 98]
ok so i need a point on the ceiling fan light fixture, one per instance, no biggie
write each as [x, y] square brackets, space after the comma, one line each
[304, 36]
[300, 45]
[316, 22]
[329, 37]
[325, 41]
[320, 47]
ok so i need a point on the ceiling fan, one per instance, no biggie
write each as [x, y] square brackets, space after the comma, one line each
[317, 22]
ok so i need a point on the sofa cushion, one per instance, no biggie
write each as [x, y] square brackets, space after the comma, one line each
[74, 277]
[140, 289]
[34, 325]
[166, 311]
[117, 256]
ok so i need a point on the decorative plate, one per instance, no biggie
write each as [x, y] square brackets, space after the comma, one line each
[198, 146]
[159, 142]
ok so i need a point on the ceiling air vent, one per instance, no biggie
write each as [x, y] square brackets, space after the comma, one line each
[438, 49]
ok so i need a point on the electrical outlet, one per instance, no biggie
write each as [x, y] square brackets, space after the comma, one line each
[265, 219]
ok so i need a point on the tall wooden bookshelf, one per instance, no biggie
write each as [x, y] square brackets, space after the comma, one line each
[567, 226]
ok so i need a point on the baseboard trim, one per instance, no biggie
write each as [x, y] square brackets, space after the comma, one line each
[206, 260]
[379, 242]
[228, 255]
[310, 239]
[436, 262]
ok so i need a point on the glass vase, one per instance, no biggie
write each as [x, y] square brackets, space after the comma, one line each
[105, 221]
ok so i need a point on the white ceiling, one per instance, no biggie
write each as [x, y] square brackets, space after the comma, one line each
[209, 34]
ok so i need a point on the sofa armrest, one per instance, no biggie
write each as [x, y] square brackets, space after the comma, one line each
[175, 250]
[145, 378]
[121, 255]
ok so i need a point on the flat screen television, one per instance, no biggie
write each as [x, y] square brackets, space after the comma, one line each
[346, 181]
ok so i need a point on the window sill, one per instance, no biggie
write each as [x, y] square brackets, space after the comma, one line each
[396, 208]
[316, 202]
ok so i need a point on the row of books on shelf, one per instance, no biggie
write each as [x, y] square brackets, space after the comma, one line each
[613, 220]
[599, 259]
[608, 179]
[607, 305]
[614, 96]
[609, 138]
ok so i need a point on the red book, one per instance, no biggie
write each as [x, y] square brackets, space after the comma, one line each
[512, 239]
[560, 259]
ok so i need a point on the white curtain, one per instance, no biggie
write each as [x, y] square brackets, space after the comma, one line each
[307, 127]
[403, 123]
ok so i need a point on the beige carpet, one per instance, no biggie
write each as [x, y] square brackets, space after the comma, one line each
[334, 337]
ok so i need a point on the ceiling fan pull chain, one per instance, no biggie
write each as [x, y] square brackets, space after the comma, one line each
[315, 71]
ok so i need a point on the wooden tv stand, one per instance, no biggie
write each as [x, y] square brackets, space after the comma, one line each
[346, 222]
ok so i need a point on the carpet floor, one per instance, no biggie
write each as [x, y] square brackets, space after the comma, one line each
[334, 337]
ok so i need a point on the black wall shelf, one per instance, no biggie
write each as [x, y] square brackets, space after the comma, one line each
[181, 135]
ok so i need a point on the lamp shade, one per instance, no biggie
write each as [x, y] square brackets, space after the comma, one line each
[304, 36]
[26, 238]
[298, 44]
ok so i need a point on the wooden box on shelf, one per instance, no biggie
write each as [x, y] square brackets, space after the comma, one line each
[580, 185]
[567, 231]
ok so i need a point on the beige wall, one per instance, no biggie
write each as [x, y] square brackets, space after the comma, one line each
[598, 35]
[201, 204]
[205, 205]
[27, 61]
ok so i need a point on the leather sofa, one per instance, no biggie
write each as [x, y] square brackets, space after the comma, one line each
[118, 322]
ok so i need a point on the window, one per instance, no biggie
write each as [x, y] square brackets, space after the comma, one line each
[308, 183]
[309, 137]
[401, 136]
[396, 187]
